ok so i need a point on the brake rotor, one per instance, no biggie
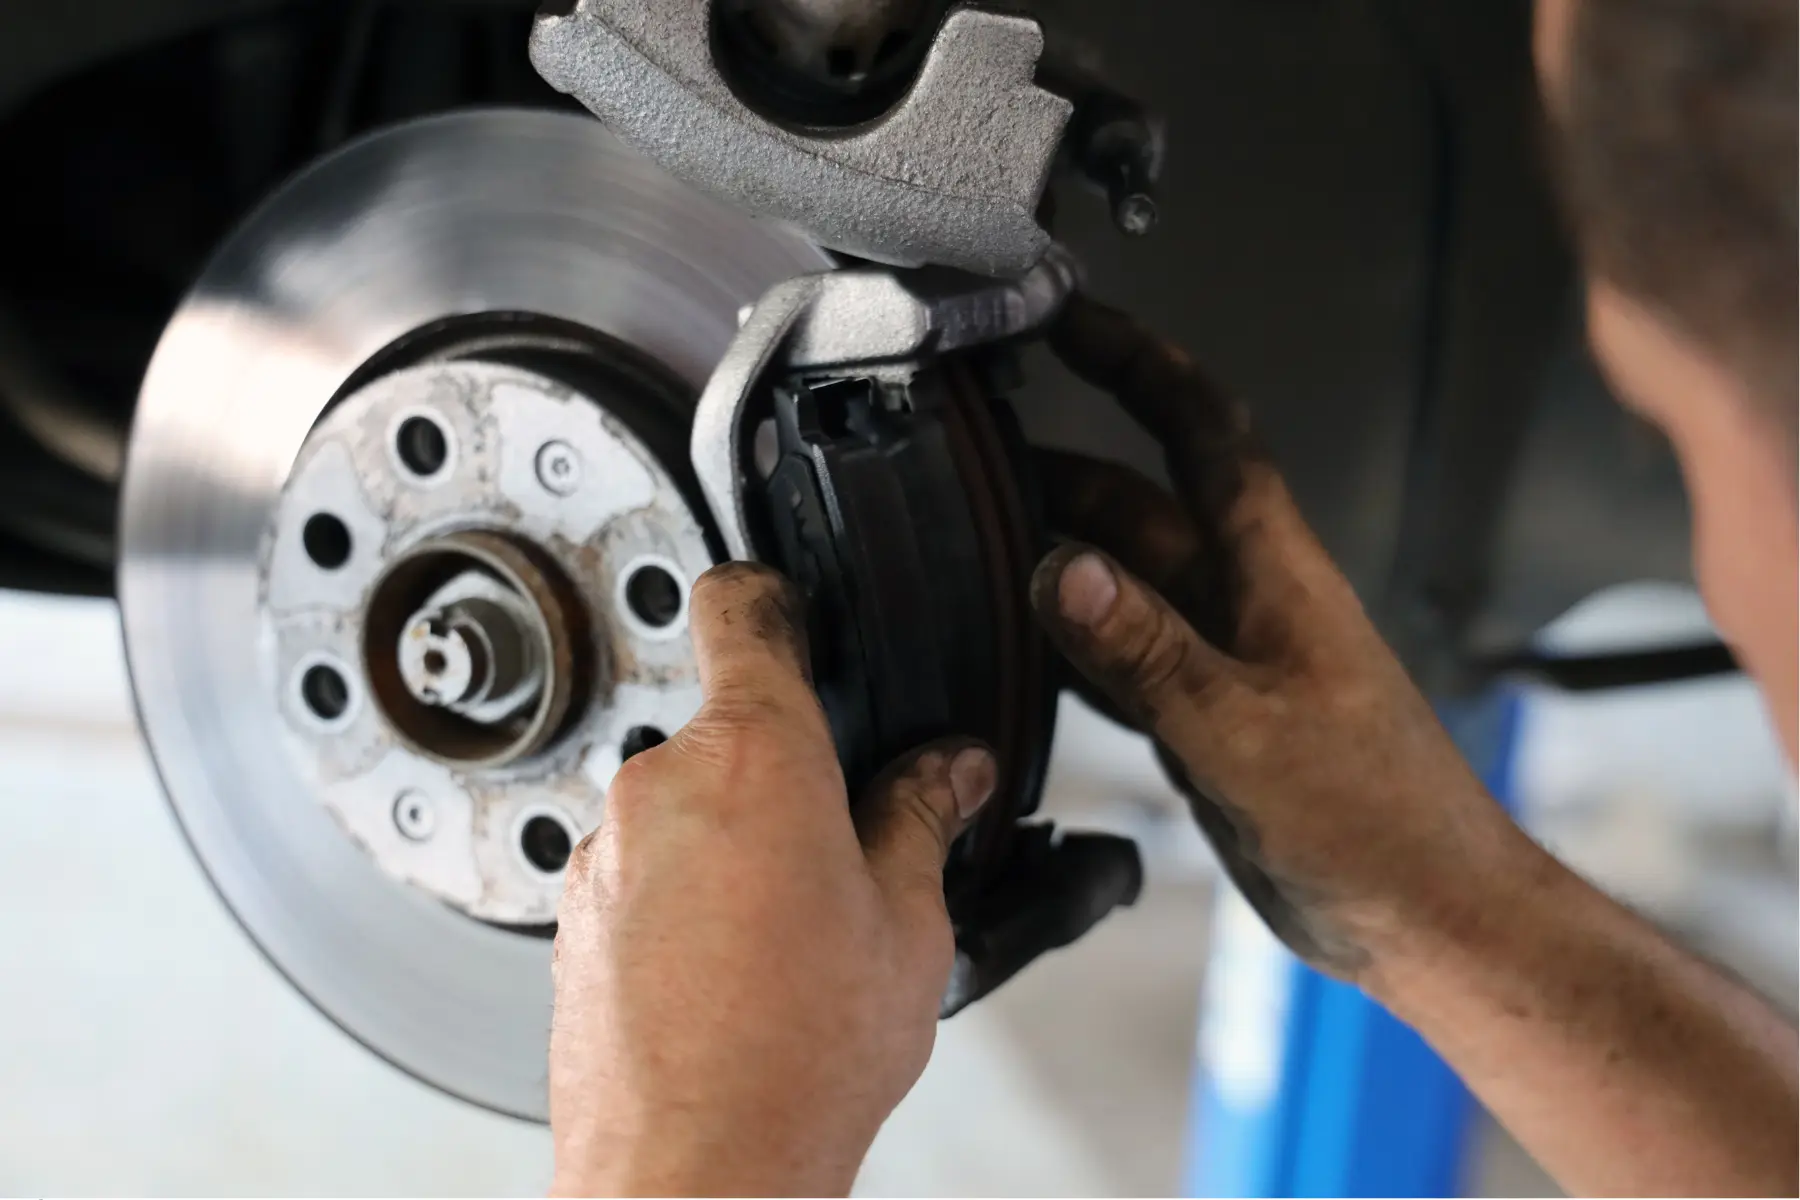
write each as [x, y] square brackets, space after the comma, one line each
[405, 507]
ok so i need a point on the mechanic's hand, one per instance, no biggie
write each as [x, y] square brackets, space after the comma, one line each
[747, 979]
[1219, 625]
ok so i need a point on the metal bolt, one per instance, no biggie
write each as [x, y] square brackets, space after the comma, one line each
[474, 654]
[414, 815]
[559, 468]
[1134, 213]
[445, 662]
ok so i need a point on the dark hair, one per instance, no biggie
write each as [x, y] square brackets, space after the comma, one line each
[1679, 147]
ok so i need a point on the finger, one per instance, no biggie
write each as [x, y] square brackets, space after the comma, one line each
[1096, 500]
[1221, 472]
[1135, 648]
[760, 730]
[911, 815]
[1220, 468]
[1204, 433]
[1147, 532]
[748, 626]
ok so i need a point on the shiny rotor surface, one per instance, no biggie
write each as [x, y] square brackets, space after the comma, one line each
[498, 211]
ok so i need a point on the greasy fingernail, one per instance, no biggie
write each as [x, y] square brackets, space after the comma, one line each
[1087, 590]
[972, 776]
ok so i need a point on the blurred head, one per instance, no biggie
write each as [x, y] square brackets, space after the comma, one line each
[1675, 130]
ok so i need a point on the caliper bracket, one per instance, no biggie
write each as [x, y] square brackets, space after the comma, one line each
[852, 437]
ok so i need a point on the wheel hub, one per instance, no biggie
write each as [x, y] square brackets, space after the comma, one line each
[493, 606]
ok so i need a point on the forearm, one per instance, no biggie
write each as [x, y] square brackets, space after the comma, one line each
[1623, 1064]
[1215, 621]
[734, 1135]
[667, 1164]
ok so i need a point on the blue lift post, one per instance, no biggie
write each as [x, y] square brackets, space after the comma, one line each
[1306, 1088]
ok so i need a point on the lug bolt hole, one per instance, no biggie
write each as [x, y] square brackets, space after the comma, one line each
[546, 844]
[325, 691]
[654, 596]
[326, 541]
[421, 446]
[638, 739]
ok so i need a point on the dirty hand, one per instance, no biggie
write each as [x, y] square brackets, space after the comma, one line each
[1214, 620]
[747, 977]
[1217, 624]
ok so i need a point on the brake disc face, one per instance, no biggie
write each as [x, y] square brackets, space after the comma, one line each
[406, 536]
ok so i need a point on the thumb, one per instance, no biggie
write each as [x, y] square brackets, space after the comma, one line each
[913, 812]
[1139, 651]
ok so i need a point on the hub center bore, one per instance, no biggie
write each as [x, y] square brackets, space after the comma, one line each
[486, 638]
[472, 652]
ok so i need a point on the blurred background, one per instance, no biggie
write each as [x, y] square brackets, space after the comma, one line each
[148, 1048]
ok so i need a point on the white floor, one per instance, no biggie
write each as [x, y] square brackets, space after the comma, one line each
[147, 1048]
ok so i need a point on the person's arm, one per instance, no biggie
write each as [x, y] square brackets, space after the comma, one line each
[1215, 621]
[747, 978]
[1624, 1065]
